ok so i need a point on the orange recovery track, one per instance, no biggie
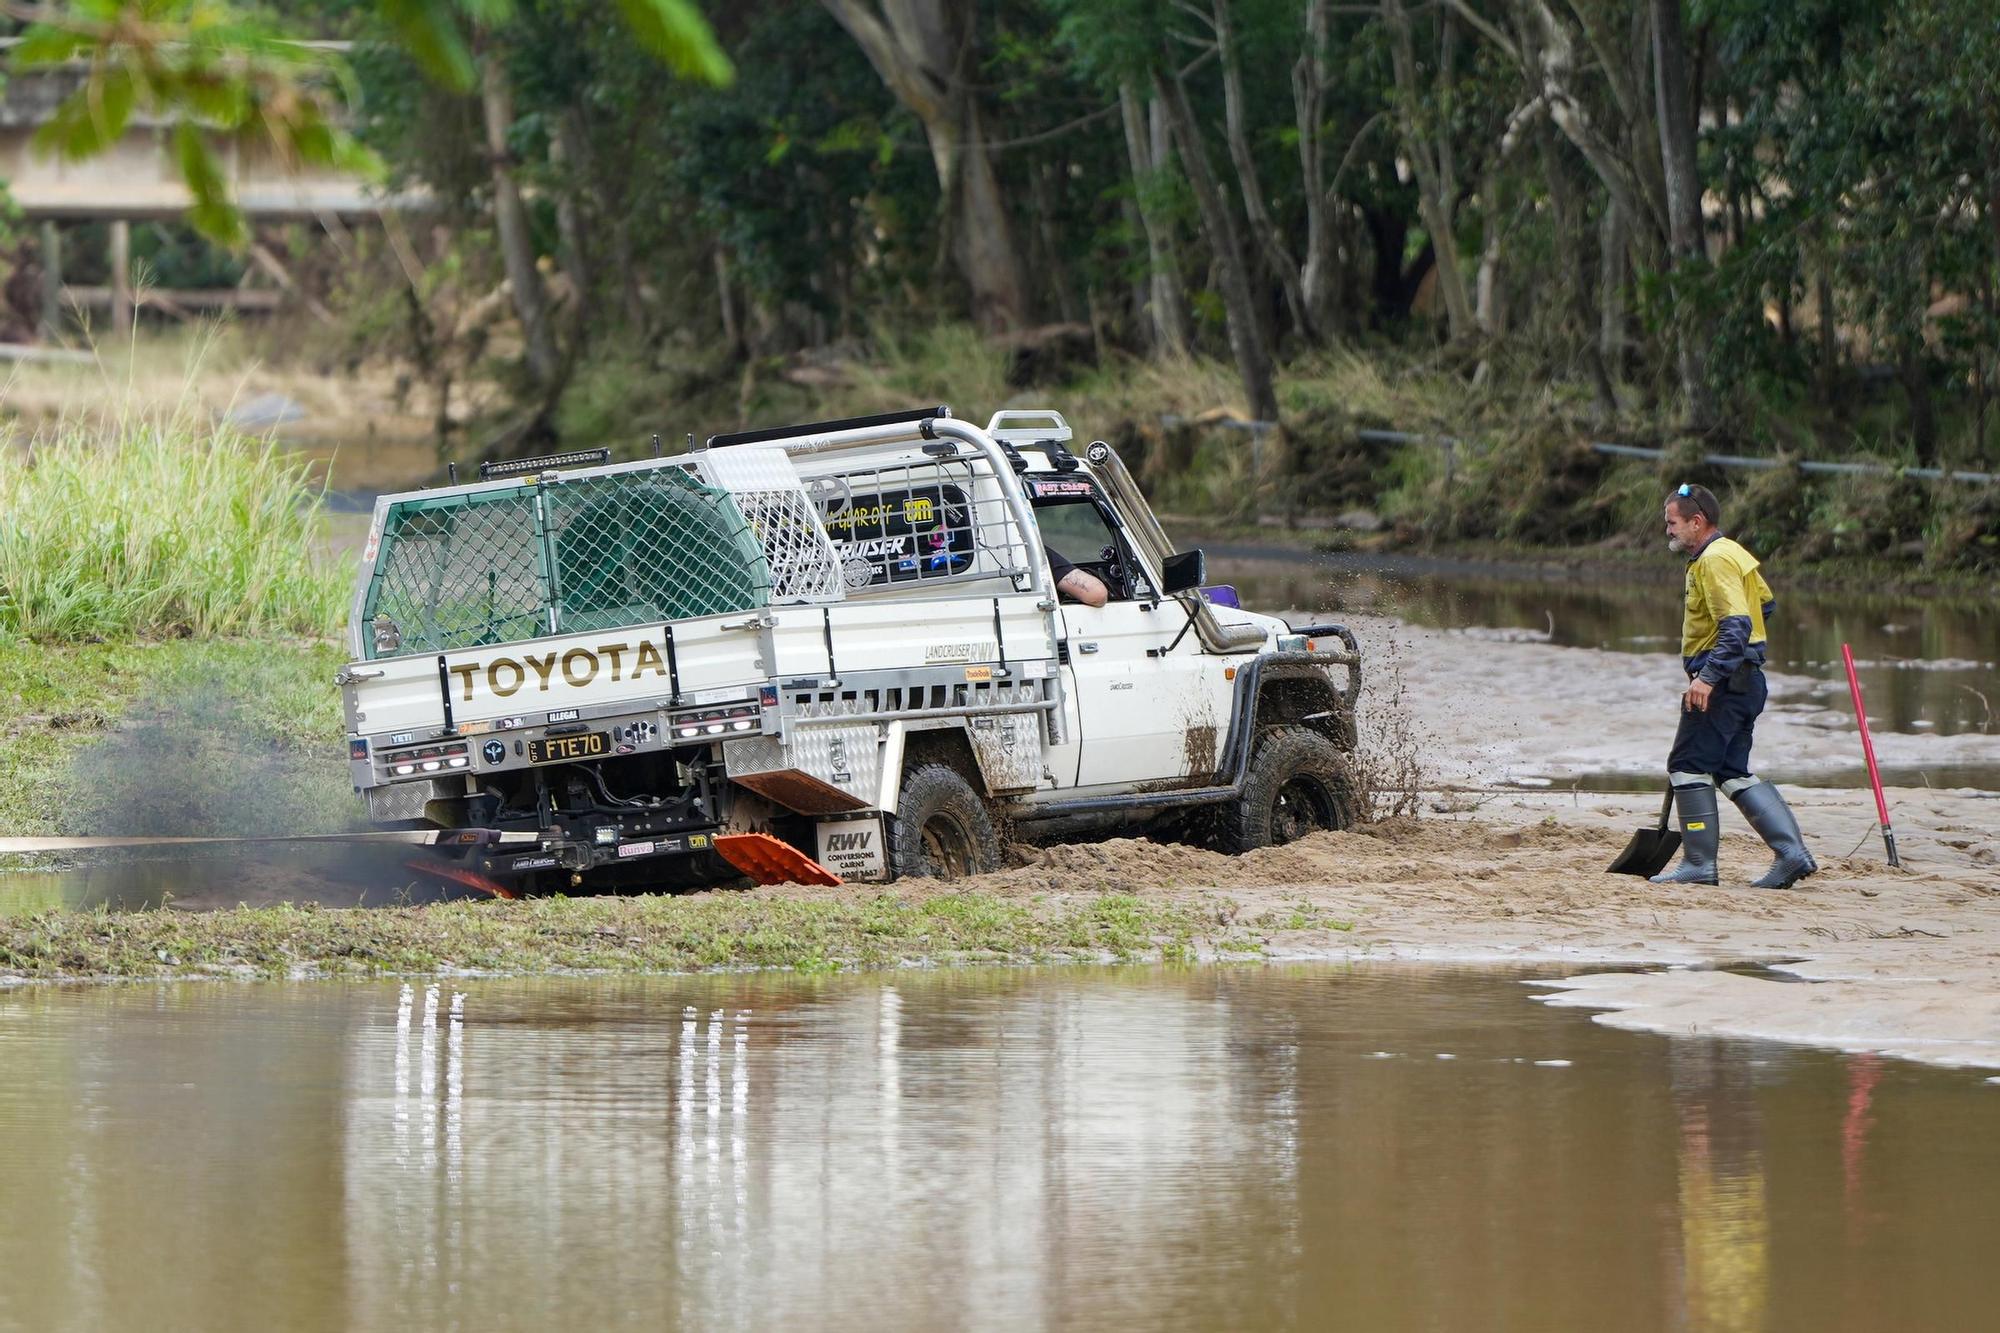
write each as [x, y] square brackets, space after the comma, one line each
[471, 879]
[769, 861]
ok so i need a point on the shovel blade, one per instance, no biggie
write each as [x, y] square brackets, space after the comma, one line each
[1647, 853]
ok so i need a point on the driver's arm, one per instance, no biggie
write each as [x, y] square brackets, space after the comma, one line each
[1080, 585]
[1076, 584]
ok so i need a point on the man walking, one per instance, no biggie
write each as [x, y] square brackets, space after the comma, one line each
[1723, 646]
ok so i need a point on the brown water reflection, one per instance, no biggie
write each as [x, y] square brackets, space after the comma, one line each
[1241, 1149]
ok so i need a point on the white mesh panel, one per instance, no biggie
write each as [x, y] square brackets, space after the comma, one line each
[765, 486]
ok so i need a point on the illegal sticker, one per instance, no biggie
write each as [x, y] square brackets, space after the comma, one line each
[564, 715]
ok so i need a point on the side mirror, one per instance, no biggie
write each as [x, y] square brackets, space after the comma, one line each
[1180, 572]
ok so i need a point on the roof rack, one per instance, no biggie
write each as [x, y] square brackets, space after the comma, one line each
[770, 433]
[514, 467]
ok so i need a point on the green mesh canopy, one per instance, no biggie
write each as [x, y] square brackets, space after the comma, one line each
[499, 566]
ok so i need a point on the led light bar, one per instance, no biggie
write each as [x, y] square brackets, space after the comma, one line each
[514, 467]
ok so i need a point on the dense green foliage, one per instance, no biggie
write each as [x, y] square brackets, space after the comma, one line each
[1490, 176]
[1773, 224]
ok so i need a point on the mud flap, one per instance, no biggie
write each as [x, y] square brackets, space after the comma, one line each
[769, 861]
[855, 848]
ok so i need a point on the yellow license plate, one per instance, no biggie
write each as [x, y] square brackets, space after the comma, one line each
[556, 749]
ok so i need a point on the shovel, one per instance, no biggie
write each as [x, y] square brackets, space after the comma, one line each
[1650, 848]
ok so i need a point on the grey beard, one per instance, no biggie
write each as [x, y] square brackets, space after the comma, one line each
[1674, 545]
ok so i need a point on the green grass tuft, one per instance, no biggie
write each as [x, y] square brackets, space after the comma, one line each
[169, 526]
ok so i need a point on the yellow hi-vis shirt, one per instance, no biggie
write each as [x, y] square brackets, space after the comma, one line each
[1723, 623]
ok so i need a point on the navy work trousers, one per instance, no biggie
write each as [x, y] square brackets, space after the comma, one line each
[1716, 741]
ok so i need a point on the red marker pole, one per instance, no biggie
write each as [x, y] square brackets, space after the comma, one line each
[1868, 749]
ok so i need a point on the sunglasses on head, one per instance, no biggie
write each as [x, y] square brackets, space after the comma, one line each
[1685, 489]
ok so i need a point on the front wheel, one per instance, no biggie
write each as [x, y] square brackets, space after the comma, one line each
[1299, 782]
[942, 828]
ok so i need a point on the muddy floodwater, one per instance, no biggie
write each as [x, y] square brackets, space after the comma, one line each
[1263, 1147]
[1926, 662]
[1928, 665]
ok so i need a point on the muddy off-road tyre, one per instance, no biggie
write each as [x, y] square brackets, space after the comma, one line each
[1299, 782]
[942, 829]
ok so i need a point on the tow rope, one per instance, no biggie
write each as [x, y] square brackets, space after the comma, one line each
[407, 837]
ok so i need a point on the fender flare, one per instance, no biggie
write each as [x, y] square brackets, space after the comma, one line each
[1272, 667]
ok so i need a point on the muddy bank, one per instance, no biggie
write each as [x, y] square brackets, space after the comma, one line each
[1905, 962]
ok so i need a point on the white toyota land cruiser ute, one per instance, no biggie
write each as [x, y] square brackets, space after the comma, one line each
[820, 651]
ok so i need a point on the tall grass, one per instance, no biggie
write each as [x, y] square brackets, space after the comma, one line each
[165, 525]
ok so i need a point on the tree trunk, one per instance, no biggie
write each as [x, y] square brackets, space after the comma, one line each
[566, 145]
[1548, 53]
[1139, 280]
[517, 249]
[1246, 340]
[1277, 258]
[52, 281]
[628, 273]
[984, 242]
[725, 300]
[1612, 234]
[1169, 284]
[1054, 272]
[1573, 272]
[1686, 249]
[1309, 81]
[1166, 318]
[1434, 201]
[1488, 310]
[121, 277]
[919, 47]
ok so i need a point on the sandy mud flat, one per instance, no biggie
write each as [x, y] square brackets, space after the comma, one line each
[1905, 962]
